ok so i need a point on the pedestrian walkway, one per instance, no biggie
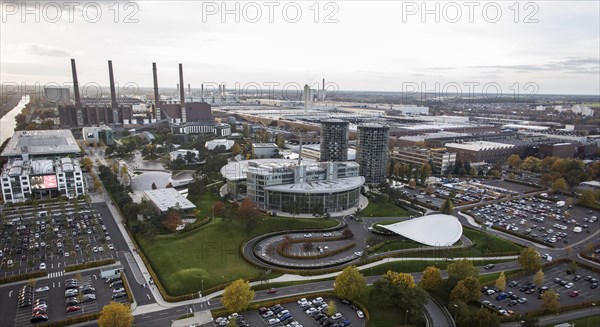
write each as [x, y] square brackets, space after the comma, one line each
[56, 274]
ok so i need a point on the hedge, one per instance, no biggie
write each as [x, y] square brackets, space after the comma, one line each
[16, 278]
[127, 289]
[317, 256]
[90, 264]
[73, 320]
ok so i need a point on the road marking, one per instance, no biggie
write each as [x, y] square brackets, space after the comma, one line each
[95, 277]
[164, 313]
[149, 298]
[10, 293]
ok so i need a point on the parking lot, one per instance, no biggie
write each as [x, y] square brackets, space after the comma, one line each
[347, 315]
[52, 237]
[540, 219]
[579, 285]
[52, 292]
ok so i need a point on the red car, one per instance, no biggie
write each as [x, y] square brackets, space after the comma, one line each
[73, 308]
[271, 291]
[574, 294]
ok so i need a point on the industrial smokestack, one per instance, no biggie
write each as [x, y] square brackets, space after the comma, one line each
[181, 95]
[77, 96]
[189, 89]
[111, 77]
[156, 95]
[323, 91]
[223, 89]
[202, 91]
[306, 96]
[113, 94]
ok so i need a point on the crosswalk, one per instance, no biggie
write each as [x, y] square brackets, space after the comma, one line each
[56, 274]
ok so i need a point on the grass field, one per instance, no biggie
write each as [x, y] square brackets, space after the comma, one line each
[380, 317]
[383, 209]
[210, 255]
[416, 266]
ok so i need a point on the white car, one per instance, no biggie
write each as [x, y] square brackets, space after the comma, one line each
[118, 290]
[273, 321]
[42, 266]
[111, 247]
[302, 300]
[308, 235]
[327, 235]
[95, 249]
[337, 316]
[360, 314]
[311, 310]
[42, 289]
[569, 285]
[100, 249]
[358, 254]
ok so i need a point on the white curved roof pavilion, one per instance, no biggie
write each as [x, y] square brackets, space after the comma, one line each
[432, 230]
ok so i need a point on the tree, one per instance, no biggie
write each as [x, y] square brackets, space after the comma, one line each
[236, 148]
[501, 281]
[349, 284]
[172, 220]
[115, 315]
[347, 233]
[538, 278]
[412, 183]
[432, 279]
[425, 173]
[460, 270]
[484, 318]
[514, 161]
[587, 198]
[400, 278]
[218, 208]
[560, 185]
[461, 312]
[286, 244]
[466, 290]
[531, 164]
[331, 308]
[530, 259]
[388, 293]
[573, 266]
[154, 186]
[87, 163]
[550, 301]
[308, 246]
[529, 321]
[447, 206]
[237, 295]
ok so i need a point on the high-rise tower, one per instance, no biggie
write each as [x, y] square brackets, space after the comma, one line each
[372, 152]
[334, 140]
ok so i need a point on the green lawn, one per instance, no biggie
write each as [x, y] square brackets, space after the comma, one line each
[416, 266]
[398, 245]
[211, 253]
[383, 209]
[486, 243]
[587, 321]
[205, 202]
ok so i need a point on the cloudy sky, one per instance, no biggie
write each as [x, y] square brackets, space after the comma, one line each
[542, 47]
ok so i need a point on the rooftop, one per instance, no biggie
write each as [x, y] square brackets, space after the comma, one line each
[264, 145]
[236, 171]
[168, 198]
[479, 145]
[43, 142]
[432, 230]
[327, 186]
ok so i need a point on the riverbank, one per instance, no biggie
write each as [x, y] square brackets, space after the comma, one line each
[10, 103]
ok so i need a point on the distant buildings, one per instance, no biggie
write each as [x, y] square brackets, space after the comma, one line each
[440, 159]
[264, 150]
[183, 154]
[97, 134]
[167, 198]
[307, 187]
[226, 144]
[57, 94]
[481, 151]
[334, 140]
[562, 150]
[41, 144]
[372, 152]
[412, 110]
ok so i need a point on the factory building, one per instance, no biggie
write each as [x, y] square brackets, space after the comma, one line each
[438, 158]
[482, 151]
[98, 134]
[562, 150]
[372, 152]
[264, 150]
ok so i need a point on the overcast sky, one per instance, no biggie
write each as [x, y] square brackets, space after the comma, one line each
[374, 45]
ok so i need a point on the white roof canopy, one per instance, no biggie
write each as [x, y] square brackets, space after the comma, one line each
[432, 230]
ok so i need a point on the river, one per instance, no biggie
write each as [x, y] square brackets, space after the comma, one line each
[8, 122]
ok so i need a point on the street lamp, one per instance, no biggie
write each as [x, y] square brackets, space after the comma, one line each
[455, 311]
[406, 318]
[590, 317]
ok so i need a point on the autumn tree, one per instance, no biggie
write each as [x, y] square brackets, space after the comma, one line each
[560, 185]
[466, 290]
[412, 183]
[432, 278]
[530, 259]
[400, 278]
[247, 209]
[425, 173]
[237, 295]
[538, 278]
[87, 163]
[115, 315]
[550, 301]
[484, 318]
[514, 161]
[286, 244]
[236, 148]
[349, 284]
[347, 233]
[218, 209]
[587, 198]
[308, 246]
[531, 164]
[501, 281]
[460, 270]
[171, 220]
[397, 291]
[331, 308]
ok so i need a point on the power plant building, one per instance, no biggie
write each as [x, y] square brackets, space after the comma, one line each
[372, 152]
[334, 140]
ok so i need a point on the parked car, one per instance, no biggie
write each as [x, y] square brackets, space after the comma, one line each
[488, 266]
[271, 291]
[73, 308]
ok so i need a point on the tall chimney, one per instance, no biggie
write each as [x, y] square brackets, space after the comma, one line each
[181, 95]
[77, 96]
[202, 91]
[323, 91]
[113, 95]
[156, 95]
[189, 89]
[223, 90]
